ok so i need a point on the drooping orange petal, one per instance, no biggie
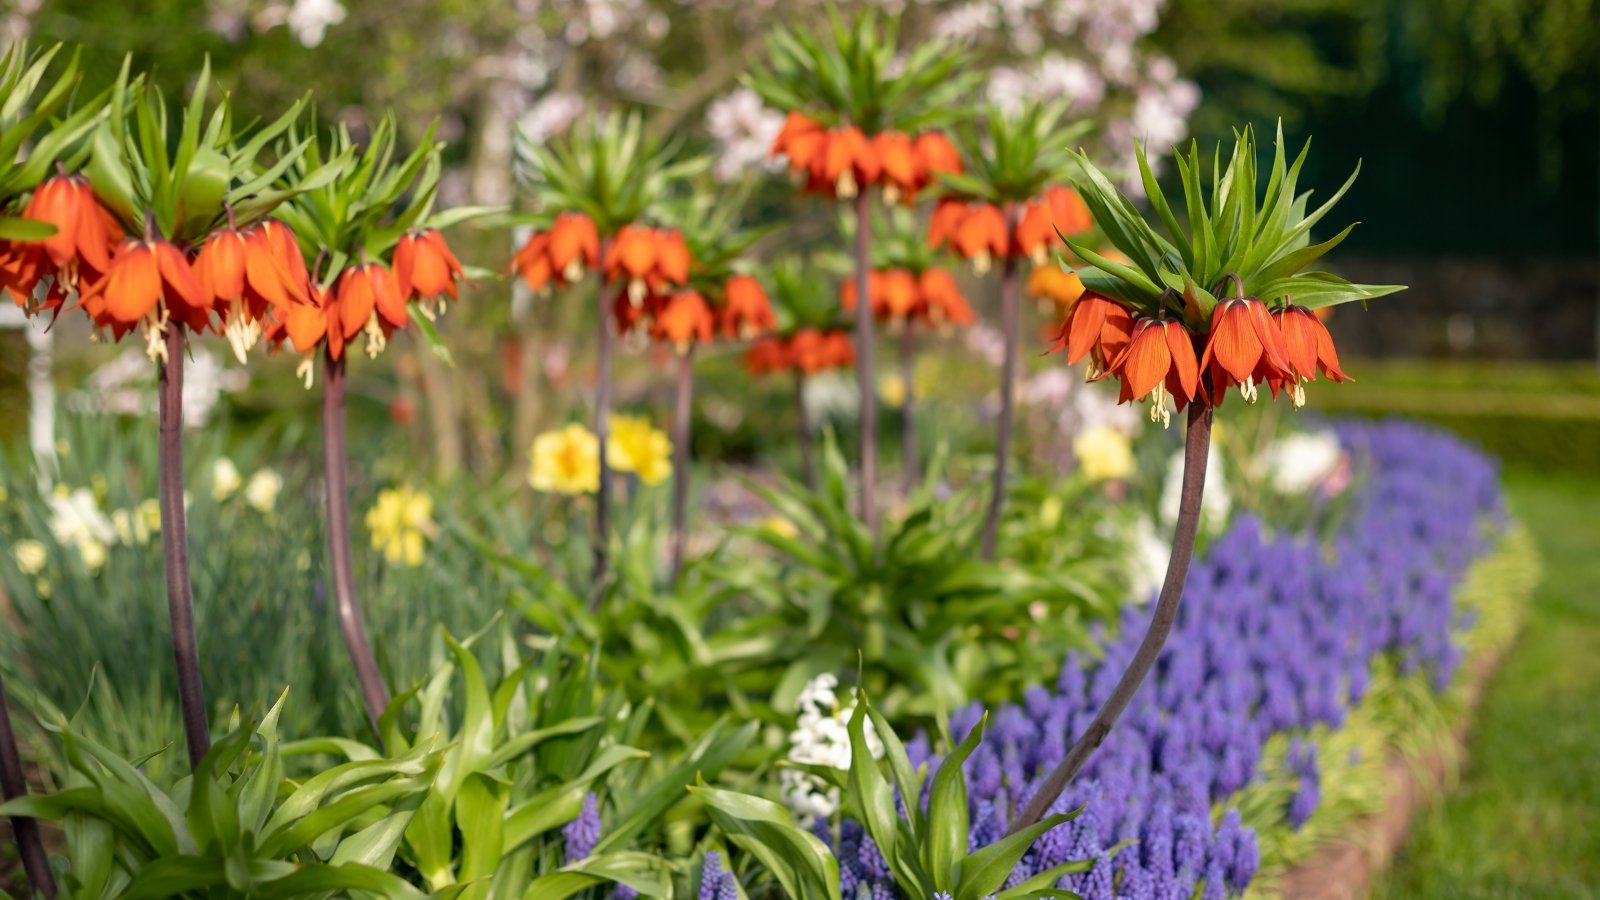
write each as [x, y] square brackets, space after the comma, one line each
[935, 154]
[1145, 363]
[1299, 341]
[220, 265]
[356, 300]
[1233, 345]
[1185, 367]
[132, 284]
[945, 221]
[672, 257]
[896, 155]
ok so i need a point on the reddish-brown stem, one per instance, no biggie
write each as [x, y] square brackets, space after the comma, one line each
[175, 552]
[682, 410]
[602, 430]
[865, 384]
[908, 408]
[35, 861]
[1011, 325]
[808, 467]
[1196, 449]
[335, 463]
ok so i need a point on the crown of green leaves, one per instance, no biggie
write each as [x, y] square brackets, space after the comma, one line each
[1012, 157]
[850, 75]
[1266, 244]
[606, 167]
[189, 189]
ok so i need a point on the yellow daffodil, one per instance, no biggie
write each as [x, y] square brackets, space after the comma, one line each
[262, 491]
[401, 522]
[31, 556]
[638, 447]
[892, 388]
[225, 479]
[566, 461]
[1103, 452]
[94, 555]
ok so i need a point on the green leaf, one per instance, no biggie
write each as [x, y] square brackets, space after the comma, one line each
[430, 334]
[799, 862]
[984, 871]
[948, 815]
[16, 228]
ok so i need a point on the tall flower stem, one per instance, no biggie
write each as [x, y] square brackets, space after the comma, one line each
[335, 463]
[35, 862]
[808, 466]
[1011, 324]
[175, 551]
[1196, 449]
[864, 380]
[908, 407]
[683, 409]
[602, 430]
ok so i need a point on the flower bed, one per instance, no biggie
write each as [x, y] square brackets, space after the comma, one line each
[1281, 641]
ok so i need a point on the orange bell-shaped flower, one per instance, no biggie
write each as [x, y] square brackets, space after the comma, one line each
[1055, 284]
[1159, 362]
[632, 258]
[370, 302]
[848, 162]
[1308, 348]
[1097, 327]
[765, 356]
[425, 268]
[532, 262]
[1244, 347]
[574, 245]
[942, 302]
[802, 139]
[981, 236]
[746, 311]
[935, 154]
[84, 229]
[148, 281]
[684, 321]
[902, 176]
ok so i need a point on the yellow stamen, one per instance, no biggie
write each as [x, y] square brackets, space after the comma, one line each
[155, 332]
[375, 338]
[307, 370]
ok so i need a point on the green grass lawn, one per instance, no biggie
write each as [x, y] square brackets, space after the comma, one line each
[1524, 822]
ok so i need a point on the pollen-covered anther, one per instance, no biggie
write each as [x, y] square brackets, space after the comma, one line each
[573, 270]
[375, 337]
[891, 194]
[1160, 410]
[241, 330]
[1248, 390]
[1298, 394]
[846, 185]
[982, 262]
[154, 324]
[307, 370]
[637, 290]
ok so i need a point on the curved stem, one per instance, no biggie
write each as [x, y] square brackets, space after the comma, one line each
[864, 381]
[335, 472]
[35, 861]
[175, 552]
[1011, 324]
[908, 408]
[1197, 446]
[682, 410]
[808, 467]
[602, 430]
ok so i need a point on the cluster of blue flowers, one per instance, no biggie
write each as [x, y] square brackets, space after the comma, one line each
[1277, 633]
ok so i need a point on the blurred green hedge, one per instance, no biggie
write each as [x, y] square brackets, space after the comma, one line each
[1532, 415]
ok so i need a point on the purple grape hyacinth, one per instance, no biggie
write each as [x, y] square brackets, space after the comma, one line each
[1277, 633]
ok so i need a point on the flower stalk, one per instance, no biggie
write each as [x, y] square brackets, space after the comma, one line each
[908, 407]
[683, 409]
[602, 431]
[808, 465]
[1011, 324]
[30, 846]
[864, 369]
[1196, 450]
[374, 695]
[175, 550]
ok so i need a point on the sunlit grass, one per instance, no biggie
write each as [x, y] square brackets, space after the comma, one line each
[1525, 820]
